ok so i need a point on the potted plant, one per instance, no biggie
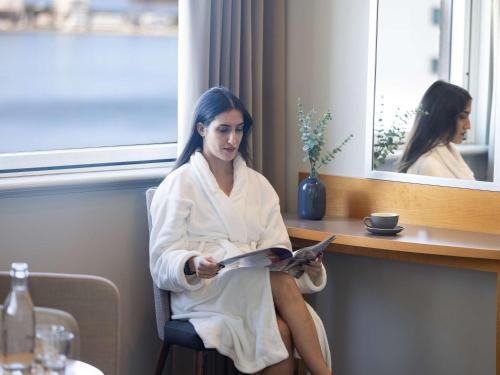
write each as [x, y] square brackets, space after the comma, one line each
[312, 193]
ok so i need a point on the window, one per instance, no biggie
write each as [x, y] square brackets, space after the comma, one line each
[418, 43]
[87, 83]
[413, 50]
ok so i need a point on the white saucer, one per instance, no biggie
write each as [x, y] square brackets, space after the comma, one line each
[391, 231]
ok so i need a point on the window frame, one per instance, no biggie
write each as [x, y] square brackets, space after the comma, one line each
[478, 73]
[73, 160]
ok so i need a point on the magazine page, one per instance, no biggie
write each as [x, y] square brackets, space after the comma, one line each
[301, 257]
[276, 258]
[309, 253]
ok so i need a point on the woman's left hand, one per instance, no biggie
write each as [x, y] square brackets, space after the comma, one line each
[313, 268]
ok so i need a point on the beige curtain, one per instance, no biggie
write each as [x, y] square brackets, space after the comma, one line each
[239, 44]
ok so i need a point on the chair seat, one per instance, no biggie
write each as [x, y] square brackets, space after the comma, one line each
[181, 332]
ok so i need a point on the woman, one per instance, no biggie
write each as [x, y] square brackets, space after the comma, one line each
[441, 122]
[212, 207]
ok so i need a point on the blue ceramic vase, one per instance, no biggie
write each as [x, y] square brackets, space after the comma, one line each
[311, 199]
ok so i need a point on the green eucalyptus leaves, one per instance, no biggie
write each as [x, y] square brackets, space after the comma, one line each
[313, 138]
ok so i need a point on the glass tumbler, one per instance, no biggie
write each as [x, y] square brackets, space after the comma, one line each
[53, 343]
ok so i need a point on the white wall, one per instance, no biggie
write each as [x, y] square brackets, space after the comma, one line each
[327, 62]
[99, 230]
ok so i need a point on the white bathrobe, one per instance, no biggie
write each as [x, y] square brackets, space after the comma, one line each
[442, 161]
[234, 311]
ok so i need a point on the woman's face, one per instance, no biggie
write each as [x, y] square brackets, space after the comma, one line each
[463, 124]
[222, 137]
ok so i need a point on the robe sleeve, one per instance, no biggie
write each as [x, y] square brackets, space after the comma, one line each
[276, 235]
[306, 285]
[168, 250]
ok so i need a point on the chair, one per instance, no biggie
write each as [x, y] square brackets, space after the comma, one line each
[46, 316]
[93, 302]
[177, 332]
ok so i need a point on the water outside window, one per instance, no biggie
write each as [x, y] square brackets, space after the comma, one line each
[80, 73]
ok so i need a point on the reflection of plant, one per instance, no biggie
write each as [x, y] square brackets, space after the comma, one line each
[387, 140]
[313, 139]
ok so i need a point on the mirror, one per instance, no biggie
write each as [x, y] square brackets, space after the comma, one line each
[418, 43]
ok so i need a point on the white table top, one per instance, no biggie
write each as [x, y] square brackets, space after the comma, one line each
[74, 367]
[81, 368]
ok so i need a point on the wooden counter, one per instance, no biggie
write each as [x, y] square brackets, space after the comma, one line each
[445, 247]
[413, 239]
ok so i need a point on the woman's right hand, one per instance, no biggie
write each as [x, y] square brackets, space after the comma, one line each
[205, 267]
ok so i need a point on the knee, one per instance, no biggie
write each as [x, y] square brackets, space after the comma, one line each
[283, 283]
[286, 334]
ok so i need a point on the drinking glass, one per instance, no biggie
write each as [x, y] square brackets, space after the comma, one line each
[52, 348]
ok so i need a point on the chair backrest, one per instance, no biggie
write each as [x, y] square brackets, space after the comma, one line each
[161, 297]
[94, 303]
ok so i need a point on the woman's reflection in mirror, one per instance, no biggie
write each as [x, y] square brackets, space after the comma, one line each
[442, 122]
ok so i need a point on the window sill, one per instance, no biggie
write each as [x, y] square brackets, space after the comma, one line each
[84, 180]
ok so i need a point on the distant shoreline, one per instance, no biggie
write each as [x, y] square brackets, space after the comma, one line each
[172, 32]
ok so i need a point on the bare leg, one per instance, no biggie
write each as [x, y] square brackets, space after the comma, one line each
[285, 367]
[292, 309]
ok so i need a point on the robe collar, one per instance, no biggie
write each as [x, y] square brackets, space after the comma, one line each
[230, 209]
[451, 158]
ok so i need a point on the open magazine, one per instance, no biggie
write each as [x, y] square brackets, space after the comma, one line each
[277, 258]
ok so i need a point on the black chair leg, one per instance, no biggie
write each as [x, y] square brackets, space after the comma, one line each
[199, 363]
[162, 358]
[205, 363]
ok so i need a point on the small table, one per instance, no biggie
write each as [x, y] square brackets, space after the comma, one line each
[74, 367]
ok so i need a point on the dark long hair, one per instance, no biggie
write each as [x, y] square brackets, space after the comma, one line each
[213, 102]
[435, 122]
